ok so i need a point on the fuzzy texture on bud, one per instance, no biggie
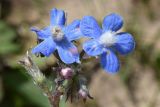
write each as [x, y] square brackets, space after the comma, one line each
[67, 73]
[32, 68]
[83, 94]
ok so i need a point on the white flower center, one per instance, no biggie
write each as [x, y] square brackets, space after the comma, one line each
[57, 33]
[108, 38]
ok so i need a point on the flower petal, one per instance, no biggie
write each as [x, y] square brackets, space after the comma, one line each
[112, 22]
[110, 62]
[124, 43]
[43, 33]
[73, 31]
[47, 47]
[57, 17]
[89, 27]
[93, 47]
[68, 52]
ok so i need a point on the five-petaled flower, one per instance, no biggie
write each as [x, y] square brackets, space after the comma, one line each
[58, 36]
[106, 42]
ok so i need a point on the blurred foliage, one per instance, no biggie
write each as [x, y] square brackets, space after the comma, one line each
[7, 37]
[20, 90]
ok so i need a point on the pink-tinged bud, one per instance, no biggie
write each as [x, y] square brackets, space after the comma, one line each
[83, 94]
[67, 73]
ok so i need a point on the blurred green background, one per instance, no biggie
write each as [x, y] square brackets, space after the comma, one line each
[136, 85]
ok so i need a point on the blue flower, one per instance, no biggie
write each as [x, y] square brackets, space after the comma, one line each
[105, 42]
[58, 36]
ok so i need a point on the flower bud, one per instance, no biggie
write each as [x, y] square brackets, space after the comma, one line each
[67, 73]
[83, 93]
[32, 68]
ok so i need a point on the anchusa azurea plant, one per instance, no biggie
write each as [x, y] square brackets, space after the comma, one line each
[59, 39]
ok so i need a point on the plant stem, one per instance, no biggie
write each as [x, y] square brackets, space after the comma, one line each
[40, 80]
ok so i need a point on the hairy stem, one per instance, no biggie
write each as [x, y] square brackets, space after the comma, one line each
[40, 80]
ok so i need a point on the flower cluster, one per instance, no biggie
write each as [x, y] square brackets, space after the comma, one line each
[58, 37]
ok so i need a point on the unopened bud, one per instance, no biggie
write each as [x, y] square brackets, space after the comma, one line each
[83, 94]
[32, 68]
[67, 73]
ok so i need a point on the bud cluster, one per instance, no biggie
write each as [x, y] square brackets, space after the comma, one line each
[72, 84]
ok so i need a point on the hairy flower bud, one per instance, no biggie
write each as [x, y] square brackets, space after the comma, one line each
[67, 73]
[32, 68]
[83, 94]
